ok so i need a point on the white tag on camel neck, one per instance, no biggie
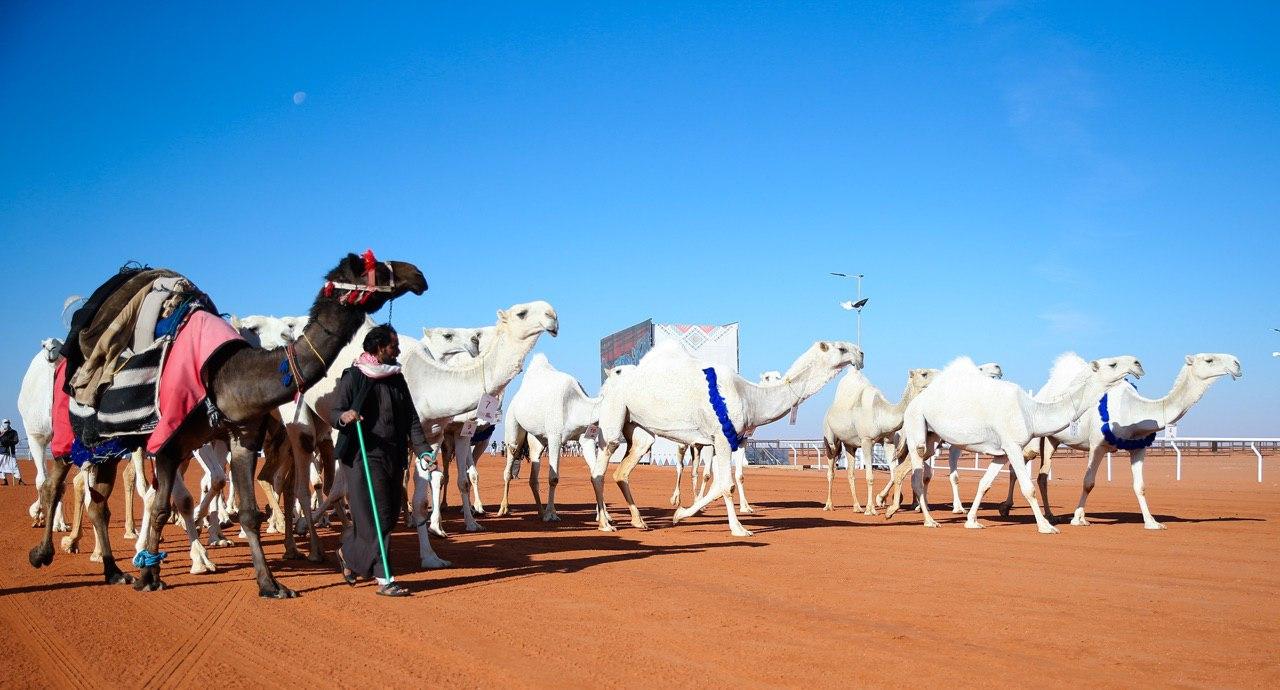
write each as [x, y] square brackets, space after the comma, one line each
[488, 409]
[468, 429]
[795, 409]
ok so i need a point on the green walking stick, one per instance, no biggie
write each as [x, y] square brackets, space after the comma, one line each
[373, 503]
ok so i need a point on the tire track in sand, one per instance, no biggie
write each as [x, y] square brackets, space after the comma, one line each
[62, 662]
[197, 638]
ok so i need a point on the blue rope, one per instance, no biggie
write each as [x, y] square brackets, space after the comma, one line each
[146, 559]
[722, 412]
[1111, 438]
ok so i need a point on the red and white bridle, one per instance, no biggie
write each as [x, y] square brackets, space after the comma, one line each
[359, 294]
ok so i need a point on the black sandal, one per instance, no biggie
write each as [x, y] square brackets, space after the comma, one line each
[393, 589]
[348, 575]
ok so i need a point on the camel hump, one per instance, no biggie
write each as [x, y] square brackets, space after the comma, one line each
[960, 366]
[540, 360]
[1066, 368]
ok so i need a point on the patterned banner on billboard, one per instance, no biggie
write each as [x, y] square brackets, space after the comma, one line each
[626, 346]
[714, 345]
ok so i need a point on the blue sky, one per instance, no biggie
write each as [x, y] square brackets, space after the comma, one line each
[1014, 179]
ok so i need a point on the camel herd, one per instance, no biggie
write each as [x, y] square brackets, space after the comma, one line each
[458, 375]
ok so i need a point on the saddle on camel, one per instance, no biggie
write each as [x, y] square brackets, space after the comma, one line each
[149, 363]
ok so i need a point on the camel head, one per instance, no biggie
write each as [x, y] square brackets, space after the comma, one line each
[391, 279]
[267, 332]
[992, 370]
[528, 320]
[771, 377]
[1112, 369]
[50, 347]
[1208, 366]
[613, 376]
[919, 379]
[821, 362]
[443, 343]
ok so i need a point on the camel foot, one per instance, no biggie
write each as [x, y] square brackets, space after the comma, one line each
[748, 510]
[604, 527]
[95, 557]
[438, 531]
[70, 545]
[958, 509]
[61, 527]
[972, 524]
[889, 512]
[37, 523]
[220, 543]
[436, 563]
[503, 510]
[828, 506]
[1004, 507]
[315, 557]
[131, 534]
[1155, 525]
[870, 511]
[149, 580]
[1046, 528]
[680, 514]
[1079, 521]
[40, 555]
[292, 555]
[741, 532]
[476, 527]
[279, 591]
[639, 523]
[550, 516]
[118, 578]
[477, 510]
[200, 562]
[931, 523]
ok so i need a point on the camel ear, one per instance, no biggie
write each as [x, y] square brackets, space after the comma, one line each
[502, 316]
[1190, 359]
[824, 347]
[424, 331]
[1094, 364]
[235, 322]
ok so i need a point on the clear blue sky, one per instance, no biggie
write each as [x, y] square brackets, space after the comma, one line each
[1014, 179]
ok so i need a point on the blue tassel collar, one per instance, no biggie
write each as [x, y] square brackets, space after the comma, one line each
[722, 412]
[1111, 438]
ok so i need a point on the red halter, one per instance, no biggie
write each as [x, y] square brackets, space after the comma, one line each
[359, 294]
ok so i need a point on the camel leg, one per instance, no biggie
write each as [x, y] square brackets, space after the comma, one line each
[921, 487]
[104, 481]
[50, 496]
[675, 495]
[702, 471]
[953, 459]
[79, 486]
[302, 448]
[535, 467]
[1042, 480]
[739, 462]
[336, 492]
[639, 445]
[850, 470]
[185, 506]
[1028, 489]
[899, 475]
[514, 440]
[1090, 473]
[993, 469]
[473, 475]
[722, 482]
[129, 481]
[553, 478]
[210, 457]
[158, 516]
[243, 461]
[890, 454]
[597, 462]
[438, 485]
[421, 518]
[1136, 456]
[868, 457]
[1007, 505]
[462, 447]
[833, 455]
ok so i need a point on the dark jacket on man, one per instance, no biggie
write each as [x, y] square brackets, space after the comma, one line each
[390, 422]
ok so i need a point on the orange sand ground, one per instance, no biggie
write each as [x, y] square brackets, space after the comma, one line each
[814, 599]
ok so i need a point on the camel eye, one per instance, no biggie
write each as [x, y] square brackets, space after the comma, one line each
[522, 313]
[844, 351]
[1113, 365]
[448, 336]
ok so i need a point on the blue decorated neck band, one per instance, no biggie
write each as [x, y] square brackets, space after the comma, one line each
[1111, 438]
[722, 412]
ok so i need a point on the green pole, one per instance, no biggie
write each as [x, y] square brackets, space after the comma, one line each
[373, 504]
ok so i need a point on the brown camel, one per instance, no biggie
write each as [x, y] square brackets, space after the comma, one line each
[245, 385]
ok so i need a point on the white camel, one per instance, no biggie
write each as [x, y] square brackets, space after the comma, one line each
[440, 393]
[859, 418]
[35, 406]
[671, 394]
[898, 471]
[1133, 422]
[974, 412]
[551, 408]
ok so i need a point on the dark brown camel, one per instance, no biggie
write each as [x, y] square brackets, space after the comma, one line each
[245, 385]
